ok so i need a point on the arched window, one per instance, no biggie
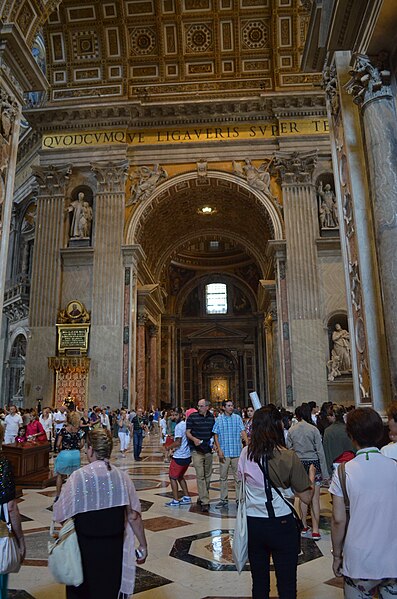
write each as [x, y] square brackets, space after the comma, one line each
[216, 298]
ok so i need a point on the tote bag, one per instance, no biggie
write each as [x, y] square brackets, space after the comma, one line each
[10, 556]
[64, 558]
[240, 538]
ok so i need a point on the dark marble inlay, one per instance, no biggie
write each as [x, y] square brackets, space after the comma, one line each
[336, 582]
[17, 594]
[144, 581]
[26, 519]
[145, 505]
[163, 523]
[224, 512]
[152, 470]
[144, 484]
[37, 545]
[181, 550]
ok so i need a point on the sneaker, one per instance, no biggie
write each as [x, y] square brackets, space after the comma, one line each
[316, 536]
[306, 532]
[199, 502]
[185, 500]
[173, 503]
[205, 507]
[222, 503]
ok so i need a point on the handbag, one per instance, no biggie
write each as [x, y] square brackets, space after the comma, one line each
[269, 485]
[10, 555]
[240, 537]
[64, 558]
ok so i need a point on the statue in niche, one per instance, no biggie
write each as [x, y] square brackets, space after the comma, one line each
[333, 366]
[257, 178]
[341, 349]
[328, 210]
[144, 182]
[81, 218]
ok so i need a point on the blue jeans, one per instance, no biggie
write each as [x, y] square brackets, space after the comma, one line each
[138, 440]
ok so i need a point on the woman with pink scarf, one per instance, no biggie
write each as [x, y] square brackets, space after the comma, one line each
[107, 514]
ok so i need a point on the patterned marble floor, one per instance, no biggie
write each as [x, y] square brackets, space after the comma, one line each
[189, 552]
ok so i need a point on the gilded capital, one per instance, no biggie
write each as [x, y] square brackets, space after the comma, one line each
[369, 81]
[295, 167]
[111, 176]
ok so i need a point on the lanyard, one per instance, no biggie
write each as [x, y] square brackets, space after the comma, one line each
[363, 451]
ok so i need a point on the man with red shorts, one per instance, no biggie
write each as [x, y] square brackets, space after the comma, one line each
[180, 461]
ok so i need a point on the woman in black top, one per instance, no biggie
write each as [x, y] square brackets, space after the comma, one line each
[7, 497]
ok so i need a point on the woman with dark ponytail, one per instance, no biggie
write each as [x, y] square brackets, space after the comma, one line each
[107, 514]
[270, 472]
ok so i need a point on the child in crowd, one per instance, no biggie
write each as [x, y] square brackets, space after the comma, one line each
[21, 436]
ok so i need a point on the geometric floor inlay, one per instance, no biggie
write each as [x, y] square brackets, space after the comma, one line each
[163, 523]
[215, 552]
[144, 581]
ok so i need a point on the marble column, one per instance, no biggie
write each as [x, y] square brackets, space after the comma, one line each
[370, 370]
[370, 87]
[141, 361]
[195, 387]
[45, 280]
[306, 329]
[106, 375]
[153, 367]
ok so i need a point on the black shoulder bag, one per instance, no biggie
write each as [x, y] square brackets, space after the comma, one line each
[264, 466]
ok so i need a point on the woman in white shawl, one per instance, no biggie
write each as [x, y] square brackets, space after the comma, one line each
[106, 511]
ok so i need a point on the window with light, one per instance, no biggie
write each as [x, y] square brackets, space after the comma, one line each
[216, 298]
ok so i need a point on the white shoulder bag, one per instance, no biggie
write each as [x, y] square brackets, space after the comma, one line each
[10, 555]
[240, 537]
[64, 558]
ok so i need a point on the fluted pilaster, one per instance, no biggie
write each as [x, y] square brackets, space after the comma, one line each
[305, 328]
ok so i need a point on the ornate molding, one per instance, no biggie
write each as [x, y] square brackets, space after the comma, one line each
[110, 176]
[158, 115]
[295, 167]
[369, 81]
[51, 179]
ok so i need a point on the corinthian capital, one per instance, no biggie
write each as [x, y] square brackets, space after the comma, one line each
[369, 81]
[295, 167]
[51, 179]
[111, 176]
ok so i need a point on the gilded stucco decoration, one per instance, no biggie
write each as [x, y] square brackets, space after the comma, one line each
[168, 50]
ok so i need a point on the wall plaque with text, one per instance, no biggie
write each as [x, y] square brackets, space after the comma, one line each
[73, 337]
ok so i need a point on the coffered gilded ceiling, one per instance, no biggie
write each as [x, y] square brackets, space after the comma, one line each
[169, 50]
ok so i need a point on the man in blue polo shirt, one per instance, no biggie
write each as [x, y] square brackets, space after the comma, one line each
[199, 433]
[228, 432]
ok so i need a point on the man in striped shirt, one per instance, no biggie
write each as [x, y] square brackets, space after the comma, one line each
[199, 427]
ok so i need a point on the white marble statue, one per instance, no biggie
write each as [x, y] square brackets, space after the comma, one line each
[257, 178]
[333, 366]
[144, 182]
[81, 218]
[328, 209]
[341, 339]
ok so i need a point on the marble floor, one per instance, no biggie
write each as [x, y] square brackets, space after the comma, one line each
[189, 551]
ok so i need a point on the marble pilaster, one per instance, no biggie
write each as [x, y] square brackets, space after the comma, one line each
[106, 377]
[370, 86]
[306, 329]
[153, 367]
[141, 361]
[132, 255]
[45, 280]
[364, 298]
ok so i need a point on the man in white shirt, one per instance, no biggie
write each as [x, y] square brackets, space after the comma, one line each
[390, 450]
[180, 461]
[105, 420]
[12, 422]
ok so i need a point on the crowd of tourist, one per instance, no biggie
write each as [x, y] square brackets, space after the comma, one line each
[282, 456]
